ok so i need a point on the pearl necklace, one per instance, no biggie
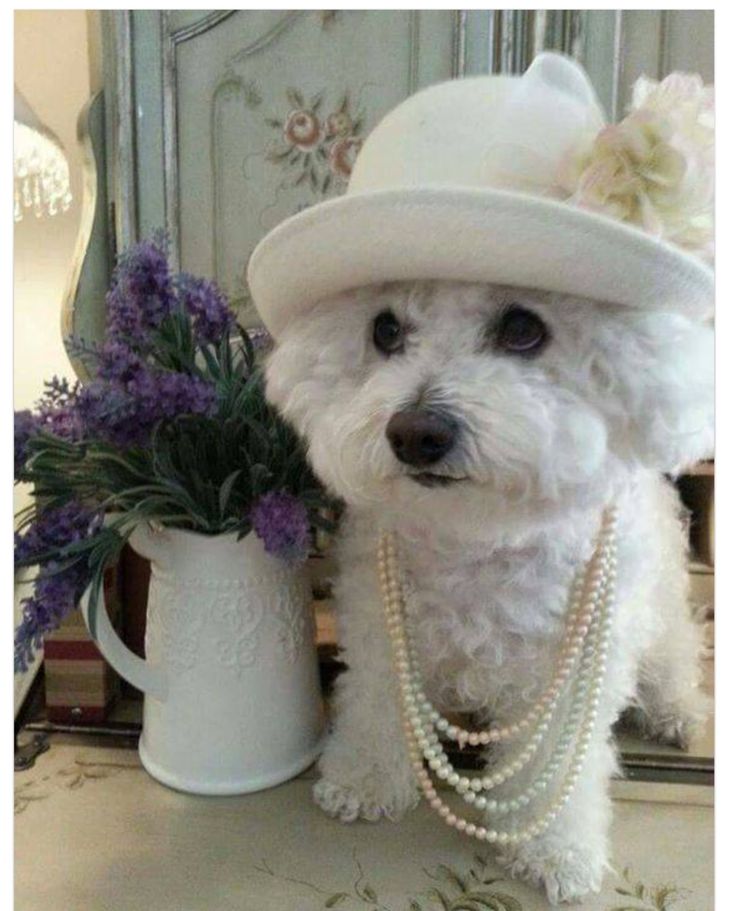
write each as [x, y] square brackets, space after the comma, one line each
[584, 647]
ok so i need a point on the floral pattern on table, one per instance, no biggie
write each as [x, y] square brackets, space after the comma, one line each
[314, 148]
[70, 777]
[478, 887]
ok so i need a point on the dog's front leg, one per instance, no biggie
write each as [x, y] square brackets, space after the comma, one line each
[365, 766]
[569, 859]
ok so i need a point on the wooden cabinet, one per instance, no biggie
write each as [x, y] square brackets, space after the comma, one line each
[237, 119]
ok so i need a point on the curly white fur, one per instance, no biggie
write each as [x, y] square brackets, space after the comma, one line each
[617, 398]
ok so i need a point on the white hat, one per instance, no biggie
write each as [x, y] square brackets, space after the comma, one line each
[516, 181]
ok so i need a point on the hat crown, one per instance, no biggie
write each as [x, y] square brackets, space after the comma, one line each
[507, 132]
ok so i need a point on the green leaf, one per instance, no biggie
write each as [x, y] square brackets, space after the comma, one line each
[226, 490]
[335, 899]
[442, 898]
[495, 901]
[661, 897]
[453, 877]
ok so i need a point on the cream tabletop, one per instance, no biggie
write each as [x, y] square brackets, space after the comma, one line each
[95, 833]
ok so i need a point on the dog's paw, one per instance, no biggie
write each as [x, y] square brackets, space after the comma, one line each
[567, 873]
[677, 732]
[348, 804]
[676, 727]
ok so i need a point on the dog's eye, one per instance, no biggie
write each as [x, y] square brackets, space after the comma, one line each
[388, 336]
[521, 332]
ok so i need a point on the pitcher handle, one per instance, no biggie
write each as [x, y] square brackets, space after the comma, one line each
[142, 674]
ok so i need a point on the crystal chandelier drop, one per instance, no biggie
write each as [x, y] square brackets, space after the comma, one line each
[40, 168]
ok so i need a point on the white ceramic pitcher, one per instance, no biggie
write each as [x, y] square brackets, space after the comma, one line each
[232, 698]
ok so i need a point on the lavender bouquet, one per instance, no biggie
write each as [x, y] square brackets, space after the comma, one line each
[173, 428]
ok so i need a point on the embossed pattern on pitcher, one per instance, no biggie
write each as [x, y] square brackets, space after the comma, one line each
[234, 611]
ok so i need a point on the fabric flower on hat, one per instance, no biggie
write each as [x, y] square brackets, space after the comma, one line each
[654, 169]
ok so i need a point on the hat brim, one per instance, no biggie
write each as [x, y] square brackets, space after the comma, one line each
[468, 234]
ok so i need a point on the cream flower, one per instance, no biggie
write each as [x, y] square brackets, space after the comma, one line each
[654, 169]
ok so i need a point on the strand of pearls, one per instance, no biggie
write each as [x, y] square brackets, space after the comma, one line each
[585, 645]
[469, 787]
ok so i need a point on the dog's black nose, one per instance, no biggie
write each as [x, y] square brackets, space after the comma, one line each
[420, 437]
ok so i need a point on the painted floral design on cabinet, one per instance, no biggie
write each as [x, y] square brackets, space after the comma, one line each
[315, 149]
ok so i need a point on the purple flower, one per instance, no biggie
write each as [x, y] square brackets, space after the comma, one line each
[54, 529]
[25, 425]
[57, 392]
[57, 591]
[56, 410]
[117, 361]
[125, 414]
[207, 305]
[108, 413]
[56, 413]
[280, 520]
[142, 292]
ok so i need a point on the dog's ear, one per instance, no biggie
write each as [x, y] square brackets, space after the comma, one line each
[659, 382]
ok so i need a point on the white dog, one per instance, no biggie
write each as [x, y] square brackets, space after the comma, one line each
[490, 426]
[500, 330]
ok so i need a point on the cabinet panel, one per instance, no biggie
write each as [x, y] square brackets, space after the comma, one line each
[262, 113]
